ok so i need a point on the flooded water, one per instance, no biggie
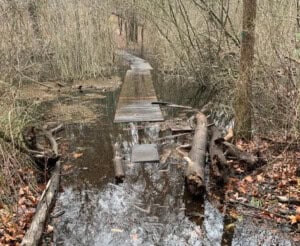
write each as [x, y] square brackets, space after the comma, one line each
[149, 208]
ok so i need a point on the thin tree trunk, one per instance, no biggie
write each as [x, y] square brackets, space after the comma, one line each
[243, 100]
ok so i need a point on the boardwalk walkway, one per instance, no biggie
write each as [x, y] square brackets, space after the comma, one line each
[137, 93]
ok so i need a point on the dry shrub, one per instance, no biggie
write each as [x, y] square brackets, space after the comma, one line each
[14, 114]
[185, 38]
[54, 39]
[16, 171]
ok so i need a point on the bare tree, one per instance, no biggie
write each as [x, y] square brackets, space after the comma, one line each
[243, 100]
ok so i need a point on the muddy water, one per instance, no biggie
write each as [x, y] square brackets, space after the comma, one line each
[149, 208]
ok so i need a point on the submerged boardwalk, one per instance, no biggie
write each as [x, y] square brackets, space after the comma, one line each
[137, 93]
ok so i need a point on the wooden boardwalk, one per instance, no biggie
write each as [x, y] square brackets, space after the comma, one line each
[137, 94]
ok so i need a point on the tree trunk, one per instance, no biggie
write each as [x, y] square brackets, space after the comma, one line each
[243, 100]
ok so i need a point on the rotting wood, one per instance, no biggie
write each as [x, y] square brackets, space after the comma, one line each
[196, 159]
[118, 165]
[217, 157]
[40, 152]
[232, 150]
[35, 231]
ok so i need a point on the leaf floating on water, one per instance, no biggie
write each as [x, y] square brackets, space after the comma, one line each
[77, 155]
[50, 229]
[67, 167]
[117, 230]
[134, 237]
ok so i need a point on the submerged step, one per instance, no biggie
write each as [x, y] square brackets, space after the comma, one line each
[144, 153]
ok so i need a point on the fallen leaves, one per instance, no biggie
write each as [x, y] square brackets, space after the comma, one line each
[295, 219]
[249, 179]
[271, 193]
[15, 220]
[117, 230]
[77, 155]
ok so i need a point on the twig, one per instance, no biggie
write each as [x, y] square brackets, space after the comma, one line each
[260, 209]
[289, 200]
[173, 136]
[57, 129]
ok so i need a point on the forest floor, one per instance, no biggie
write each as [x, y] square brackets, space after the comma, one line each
[269, 193]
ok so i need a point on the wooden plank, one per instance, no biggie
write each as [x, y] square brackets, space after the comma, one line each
[144, 153]
[136, 63]
[136, 97]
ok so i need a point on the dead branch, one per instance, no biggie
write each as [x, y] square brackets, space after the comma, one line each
[57, 129]
[260, 209]
[232, 150]
[217, 157]
[172, 105]
[118, 165]
[35, 231]
[172, 136]
[289, 200]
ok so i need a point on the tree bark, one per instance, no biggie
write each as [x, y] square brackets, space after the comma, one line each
[196, 159]
[217, 157]
[243, 100]
[244, 156]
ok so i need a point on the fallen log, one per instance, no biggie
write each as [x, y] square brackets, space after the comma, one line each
[35, 231]
[217, 157]
[196, 159]
[118, 165]
[232, 150]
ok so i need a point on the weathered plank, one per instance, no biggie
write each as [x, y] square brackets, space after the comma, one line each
[136, 97]
[144, 153]
[136, 63]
